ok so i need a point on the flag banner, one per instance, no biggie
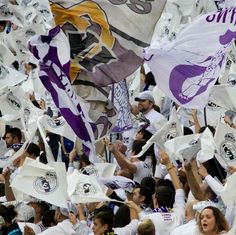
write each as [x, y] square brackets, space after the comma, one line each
[44, 182]
[100, 44]
[224, 96]
[29, 115]
[6, 56]
[11, 100]
[102, 110]
[185, 69]
[228, 193]
[48, 150]
[57, 126]
[225, 138]
[116, 182]
[84, 189]
[2, 127]
[10, 156]
[120, 96]
[53, 52]
[183, 147]
[169, 131]
[208, 146]
[9, 76]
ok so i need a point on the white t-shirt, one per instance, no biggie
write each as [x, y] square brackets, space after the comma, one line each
[189, 228]
[166, 222]
[156, 119]
[144, 169]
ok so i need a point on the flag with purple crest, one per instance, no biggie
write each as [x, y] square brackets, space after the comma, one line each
[187, 68]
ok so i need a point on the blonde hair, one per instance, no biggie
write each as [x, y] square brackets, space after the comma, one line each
[146, 228]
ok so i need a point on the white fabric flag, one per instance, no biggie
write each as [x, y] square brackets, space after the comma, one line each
[57, 126]
[225, 138]
[11, 100]
[224, 96]
[186, 69]
[208, 146]
[9, 76]
[228, 194]
[45, 182]
[29, 116]
[84, 188]
[170, 130]
[183, 147]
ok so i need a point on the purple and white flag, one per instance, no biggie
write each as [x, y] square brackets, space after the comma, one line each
[53, 52]
[186, 69]
[120, 95]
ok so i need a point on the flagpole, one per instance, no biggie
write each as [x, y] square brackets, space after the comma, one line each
[205, 117]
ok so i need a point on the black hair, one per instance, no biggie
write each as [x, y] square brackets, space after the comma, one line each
[105, 217]
[48, 218]
[211, 128]
[33, 149]
[146, 134]
[149, 79]
[122, 217]
[8, 213]
[187, 131]
[164, 196]
[15, 133]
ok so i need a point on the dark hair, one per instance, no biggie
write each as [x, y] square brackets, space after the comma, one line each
[187, 131]
[122, 217]
[147, 189]
[84, 158]
[146, 134]
[33, 149]
[48, 218]
[8, 213]
[149, 79]
[211, 128]
[105, 217]
[221, 223]
[164, 196]
[15, 133]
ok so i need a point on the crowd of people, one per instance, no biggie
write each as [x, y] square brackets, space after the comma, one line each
[167, 196]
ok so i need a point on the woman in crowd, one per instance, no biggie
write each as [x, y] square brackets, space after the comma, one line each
[212, 222]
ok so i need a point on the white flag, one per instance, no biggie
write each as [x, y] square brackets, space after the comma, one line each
[186, 68]
[84, 188]
[45, 182]
[11, 100]
[29, 116]
[183, 147]
[170, 130]
[224, 96]
[208, 146]
[57, 126]
[228, 194]
[225, 138]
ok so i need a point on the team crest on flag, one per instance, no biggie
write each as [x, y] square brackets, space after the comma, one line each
[85, 189]
[228, 147]
[47, 184]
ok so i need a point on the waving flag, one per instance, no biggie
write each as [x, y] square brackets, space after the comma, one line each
[101, 44]
[53, 53]
[45, 182]
[186, 69]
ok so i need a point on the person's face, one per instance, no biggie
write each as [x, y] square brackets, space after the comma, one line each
[144, 106]
[9, 140]
[137, 198]
[139, 136]
[208, 222]
[57, 216]
[91, 206]
[98, 227]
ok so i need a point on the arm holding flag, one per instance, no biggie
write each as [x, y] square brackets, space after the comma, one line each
[122, 161]
[165, 160]
[192, 182]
